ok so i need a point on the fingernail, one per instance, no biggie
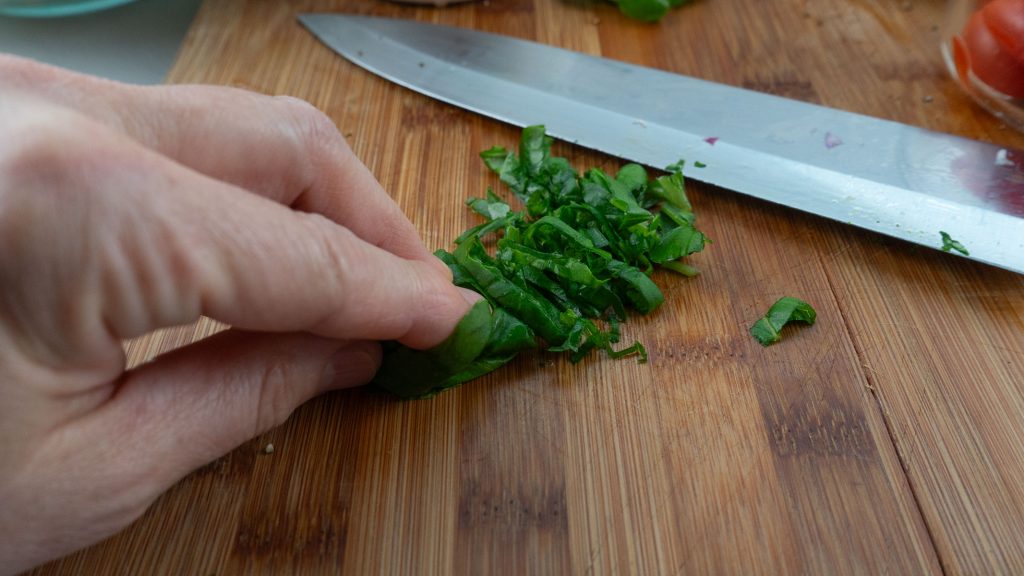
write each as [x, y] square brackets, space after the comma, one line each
[469, 296]
[352, 365]
[441, 267]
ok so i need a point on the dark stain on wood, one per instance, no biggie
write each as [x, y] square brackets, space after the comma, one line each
[806, 430]
[420, 112]
[518, 509]
[690, 352]
[499, 502]
[787, 88]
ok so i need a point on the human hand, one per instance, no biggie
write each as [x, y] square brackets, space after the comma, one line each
[124, 209]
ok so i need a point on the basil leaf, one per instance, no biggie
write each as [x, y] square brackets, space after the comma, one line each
[645, 10]
[643, 293]
[495, 157]
[768, 329]
[681, 269]
[534, 148]
[648, 10]
[539, 313]
[633, 177]
[948, 244]
[671, 189]
[680, 241]
[416, 373]
[484, 340]
[491, 207]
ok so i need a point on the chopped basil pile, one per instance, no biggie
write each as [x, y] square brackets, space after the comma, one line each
[561, 272]
[768, 329]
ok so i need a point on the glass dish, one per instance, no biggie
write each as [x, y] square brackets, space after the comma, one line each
[983, 46]
[54, 8]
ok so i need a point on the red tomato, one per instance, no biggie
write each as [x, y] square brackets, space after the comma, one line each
[992, 52]
[1005, 18]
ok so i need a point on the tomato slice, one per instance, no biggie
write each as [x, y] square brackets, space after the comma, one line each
[987, 58]
[961, 59]
[1005, 19]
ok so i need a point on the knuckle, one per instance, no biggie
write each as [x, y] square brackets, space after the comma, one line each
[314, 129]
[52, 154]
[51, 181]
[15, 71]
[33, 162]
[331, 243]
[314, 140]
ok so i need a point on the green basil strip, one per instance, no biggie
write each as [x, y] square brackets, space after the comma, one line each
[538, 313]
[680, 241]
[948, 244]
[768, 329]
[414, 373]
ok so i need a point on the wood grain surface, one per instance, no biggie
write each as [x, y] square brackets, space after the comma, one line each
[886, 439]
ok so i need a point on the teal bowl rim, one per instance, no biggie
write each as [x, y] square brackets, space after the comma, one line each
[72, 9]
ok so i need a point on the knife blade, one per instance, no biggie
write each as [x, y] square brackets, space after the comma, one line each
[898, 180]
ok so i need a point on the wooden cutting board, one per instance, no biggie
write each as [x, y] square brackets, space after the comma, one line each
[885, 439]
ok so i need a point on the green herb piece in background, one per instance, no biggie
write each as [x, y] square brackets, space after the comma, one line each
[648, 10]
[948, 244]
[785, 310]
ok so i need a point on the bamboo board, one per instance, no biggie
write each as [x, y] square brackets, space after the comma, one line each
[885, 439]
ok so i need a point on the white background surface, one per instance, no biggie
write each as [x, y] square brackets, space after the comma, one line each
[134, 43]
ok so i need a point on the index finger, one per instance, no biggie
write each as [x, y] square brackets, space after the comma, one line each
[279, 147]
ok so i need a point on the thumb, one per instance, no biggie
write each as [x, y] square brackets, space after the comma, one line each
[206, 399]
[197, 403]
[166, 418]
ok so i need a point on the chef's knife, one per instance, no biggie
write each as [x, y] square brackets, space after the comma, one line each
[898, 180]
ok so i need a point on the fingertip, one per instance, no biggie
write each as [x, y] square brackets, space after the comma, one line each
[469, 296]
[441, 267]
[429, 303]
[354, 364]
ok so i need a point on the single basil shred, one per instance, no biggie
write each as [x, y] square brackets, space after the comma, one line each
[648, 10]
[561, 272]
[768, 329]
[948, 244]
